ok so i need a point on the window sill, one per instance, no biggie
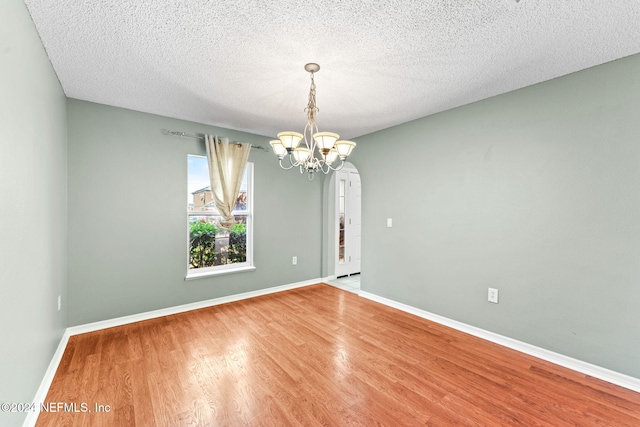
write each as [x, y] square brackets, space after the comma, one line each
[202, 275]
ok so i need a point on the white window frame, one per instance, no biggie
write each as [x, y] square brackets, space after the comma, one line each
[197, 273]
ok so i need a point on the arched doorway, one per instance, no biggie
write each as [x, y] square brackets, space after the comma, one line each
[342, 240]
[348, 224]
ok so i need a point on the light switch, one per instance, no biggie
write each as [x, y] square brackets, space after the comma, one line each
[493, 295]
[389, 222]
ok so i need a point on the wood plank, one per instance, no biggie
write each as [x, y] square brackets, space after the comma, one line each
[318, 356]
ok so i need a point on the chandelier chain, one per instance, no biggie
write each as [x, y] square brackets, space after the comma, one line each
[312, 109]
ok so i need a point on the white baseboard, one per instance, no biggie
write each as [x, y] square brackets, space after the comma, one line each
[43, 389]
[119, 321]
[41, 394]
[608, 375]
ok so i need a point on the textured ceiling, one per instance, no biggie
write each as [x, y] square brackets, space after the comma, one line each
[240, 64]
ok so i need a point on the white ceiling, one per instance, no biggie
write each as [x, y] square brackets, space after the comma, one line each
[240, 64]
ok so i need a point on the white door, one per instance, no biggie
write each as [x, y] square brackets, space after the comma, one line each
[349, 225]
[354, 229]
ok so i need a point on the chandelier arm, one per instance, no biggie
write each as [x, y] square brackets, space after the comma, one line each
[285, 168]
[339, 167]
[309, 129]
[292, 163]
[323, 169]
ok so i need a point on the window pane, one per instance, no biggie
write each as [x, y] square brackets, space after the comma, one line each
[237, 249]
[200, 197]
[210, 246]
[202, 242]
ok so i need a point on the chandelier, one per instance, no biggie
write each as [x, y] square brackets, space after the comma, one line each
[331, 153]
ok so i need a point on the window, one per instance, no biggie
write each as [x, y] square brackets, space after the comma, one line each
[212, 250]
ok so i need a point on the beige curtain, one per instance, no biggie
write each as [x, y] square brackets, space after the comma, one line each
[226, 167]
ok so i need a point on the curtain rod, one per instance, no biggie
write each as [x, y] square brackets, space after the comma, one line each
[188, 135]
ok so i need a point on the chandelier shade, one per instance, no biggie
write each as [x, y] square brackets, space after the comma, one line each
[301, 154]
[325, 140]
[290, 139]
[300, 148]
[331, 156]
[344, 148]
[278, 148]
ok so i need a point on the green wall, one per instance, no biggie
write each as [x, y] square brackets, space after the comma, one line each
[32, 209]
[127, 216]
[536, 193]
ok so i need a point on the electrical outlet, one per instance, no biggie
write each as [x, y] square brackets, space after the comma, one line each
[294, 260]
[493, 295]
[59, 302]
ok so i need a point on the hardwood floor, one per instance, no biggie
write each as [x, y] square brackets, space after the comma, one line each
[318, 356]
